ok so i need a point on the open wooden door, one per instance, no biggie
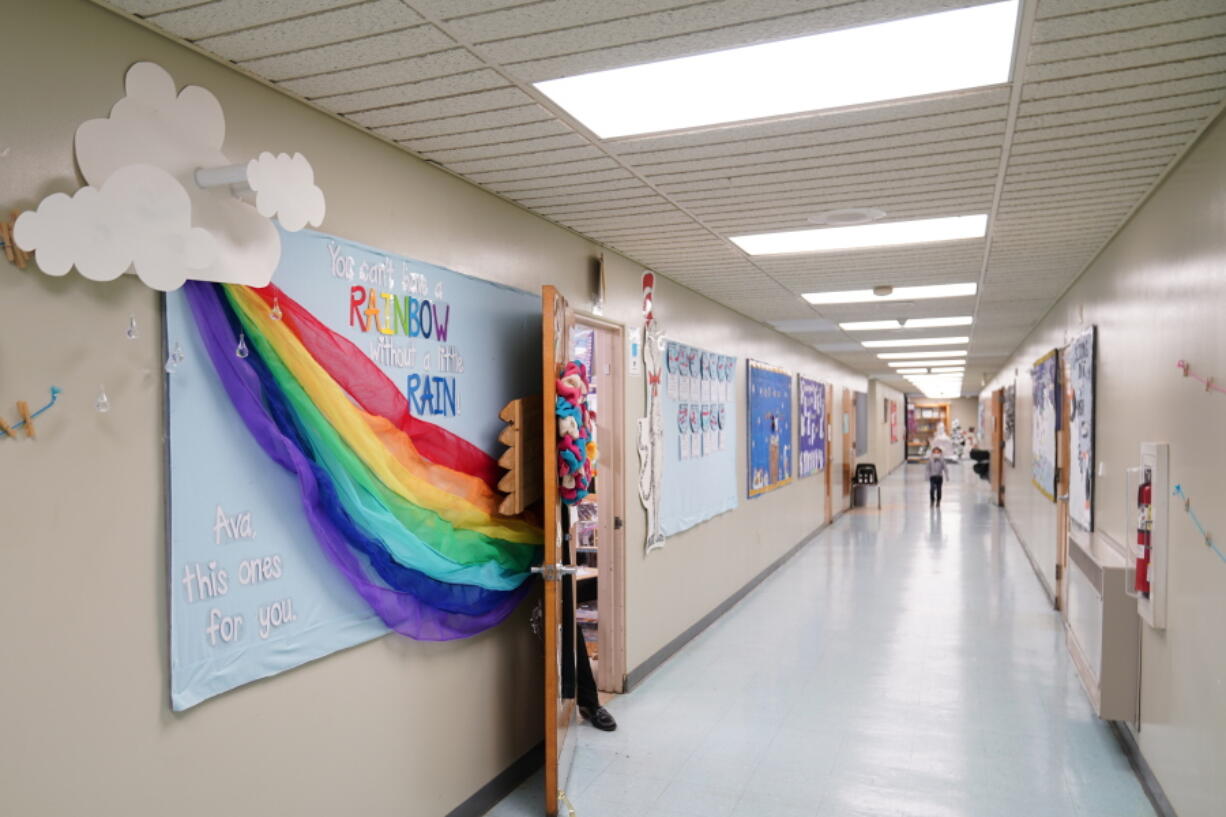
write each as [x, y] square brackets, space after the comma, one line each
[829, 512]
[1062, 477]
[558, 575]
[996, 465]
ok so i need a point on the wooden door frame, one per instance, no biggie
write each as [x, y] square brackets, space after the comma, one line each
[849, 443]
[828, 514]
[996, 464]
[1063, 453]
[611, 605]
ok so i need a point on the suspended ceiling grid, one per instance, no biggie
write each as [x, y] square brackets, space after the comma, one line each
[1106, 94]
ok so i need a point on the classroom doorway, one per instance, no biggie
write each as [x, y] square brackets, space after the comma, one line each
[597, 528]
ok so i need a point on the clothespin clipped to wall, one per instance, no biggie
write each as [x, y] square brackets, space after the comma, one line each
[16, 255]
[27, 416]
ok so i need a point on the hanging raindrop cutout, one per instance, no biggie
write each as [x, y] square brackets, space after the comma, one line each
[103, 403]
[132, 332]
[241, 350]
[174, 359]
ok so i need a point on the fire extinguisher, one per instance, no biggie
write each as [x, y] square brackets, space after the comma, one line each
[1145, 524]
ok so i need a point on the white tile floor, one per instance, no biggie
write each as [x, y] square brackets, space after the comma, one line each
[904, 663]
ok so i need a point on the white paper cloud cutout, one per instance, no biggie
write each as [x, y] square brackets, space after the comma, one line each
[179, 132]
[285, 188]
[140, 218]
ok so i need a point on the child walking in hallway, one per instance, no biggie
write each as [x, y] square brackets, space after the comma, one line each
[936, 477]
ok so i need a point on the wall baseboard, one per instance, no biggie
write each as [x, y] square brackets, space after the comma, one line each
[505, 782]
[636, 675]
[1149, 781]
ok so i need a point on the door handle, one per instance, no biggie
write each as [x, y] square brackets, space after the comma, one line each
[552, 573]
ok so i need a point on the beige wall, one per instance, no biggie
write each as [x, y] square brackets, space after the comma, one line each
[410, 728]
[1156, 295]
[885, 455]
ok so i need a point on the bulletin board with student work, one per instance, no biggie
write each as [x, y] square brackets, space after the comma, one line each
[1045, 383]
[811, 427]
[769, 427]
[699, 411]
[290, 537]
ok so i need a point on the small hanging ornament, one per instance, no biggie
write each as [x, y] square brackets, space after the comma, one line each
[132, 332]
[275, 313]
[103, 403]
[174, 359]
[241, 350]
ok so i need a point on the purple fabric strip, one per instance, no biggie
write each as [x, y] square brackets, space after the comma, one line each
[401, 612]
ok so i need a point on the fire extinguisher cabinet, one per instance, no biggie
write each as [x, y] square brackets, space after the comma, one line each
[1147, 492]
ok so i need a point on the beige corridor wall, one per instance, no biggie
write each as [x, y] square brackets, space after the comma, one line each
[1156, 295]
[410, 728]
[886, 455]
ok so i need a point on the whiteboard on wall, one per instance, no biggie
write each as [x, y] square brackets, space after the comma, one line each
[250, 592]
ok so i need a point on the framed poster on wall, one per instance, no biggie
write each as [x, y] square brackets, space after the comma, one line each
[893, 421]
[1079, 369]
[296, 527]
[769, 427]
[811, 406]
[1044, 380]
[1010, 419]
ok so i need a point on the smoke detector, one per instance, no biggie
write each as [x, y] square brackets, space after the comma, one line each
[847, 216]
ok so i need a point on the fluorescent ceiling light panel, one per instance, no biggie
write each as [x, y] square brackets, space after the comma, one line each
[931, 54]
[934, 323]
[866, 326]
[947, 369]
[916, 355]
[910, 371]
[857, 296]
[885, 344]
[906, 363]
[865, 236]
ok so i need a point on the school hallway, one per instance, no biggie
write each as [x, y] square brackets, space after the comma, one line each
[904, 662]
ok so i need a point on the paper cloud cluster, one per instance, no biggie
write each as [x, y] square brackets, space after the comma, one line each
[174, 132]
[141, 218]
[285, 188]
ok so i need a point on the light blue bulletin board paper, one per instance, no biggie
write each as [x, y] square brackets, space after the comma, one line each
[699, 479]
[769, 427]
[251, 593]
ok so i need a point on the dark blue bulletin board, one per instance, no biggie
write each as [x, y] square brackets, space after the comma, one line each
[769, 427]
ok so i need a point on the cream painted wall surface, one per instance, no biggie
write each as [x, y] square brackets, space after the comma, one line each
[1156, 295]
[413, 728]
[886, 455]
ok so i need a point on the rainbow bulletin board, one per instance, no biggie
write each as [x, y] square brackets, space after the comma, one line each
[770, 428]
[699, 411]
[811, 406]
[273, 564]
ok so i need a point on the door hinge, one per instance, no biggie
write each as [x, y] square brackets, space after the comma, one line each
[618, 524]
[1059, 572]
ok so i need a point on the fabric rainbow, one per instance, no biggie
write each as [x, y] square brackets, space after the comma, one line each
[404, 509]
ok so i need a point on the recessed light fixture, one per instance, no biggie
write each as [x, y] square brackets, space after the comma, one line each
[948, 369]
[910, 371]
[894, 364]
[914, 56]
[917, 355]
[857, 296]
[935, 323]
[865, 236]
[908, 323]
[866, 326]
[885, 344]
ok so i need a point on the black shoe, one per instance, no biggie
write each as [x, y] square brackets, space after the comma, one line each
[599, 717]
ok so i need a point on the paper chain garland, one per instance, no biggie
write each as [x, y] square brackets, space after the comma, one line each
[402, 508]
[576, 449]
